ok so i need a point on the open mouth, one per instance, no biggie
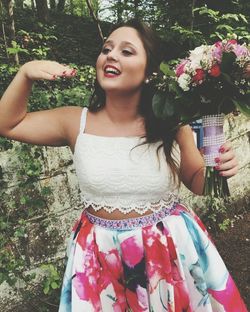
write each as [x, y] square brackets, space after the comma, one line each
[111, 71]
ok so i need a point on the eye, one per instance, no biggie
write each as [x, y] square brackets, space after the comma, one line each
[127, 52]
[105, 50]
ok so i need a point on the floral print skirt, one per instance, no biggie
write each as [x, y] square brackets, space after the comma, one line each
[165, 262]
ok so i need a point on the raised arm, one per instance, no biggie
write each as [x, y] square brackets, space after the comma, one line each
[48, 127]
[192, 166]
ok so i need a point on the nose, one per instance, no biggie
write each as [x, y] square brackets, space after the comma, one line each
[112, 55]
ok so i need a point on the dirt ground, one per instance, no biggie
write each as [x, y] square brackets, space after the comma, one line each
[234, 247]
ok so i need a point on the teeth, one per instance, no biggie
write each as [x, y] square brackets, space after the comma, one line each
[112, 71]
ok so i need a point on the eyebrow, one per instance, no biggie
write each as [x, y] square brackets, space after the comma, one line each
[123, 42]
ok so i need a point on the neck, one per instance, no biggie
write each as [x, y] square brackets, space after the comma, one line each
[122, 109]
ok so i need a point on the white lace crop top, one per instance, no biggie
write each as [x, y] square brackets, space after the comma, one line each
[115, 173]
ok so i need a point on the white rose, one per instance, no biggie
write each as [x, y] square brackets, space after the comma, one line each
[200, 57]
[184, 81]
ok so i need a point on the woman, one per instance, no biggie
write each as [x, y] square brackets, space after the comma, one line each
[135, 247]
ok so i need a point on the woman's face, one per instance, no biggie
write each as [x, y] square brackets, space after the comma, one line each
[121, 65]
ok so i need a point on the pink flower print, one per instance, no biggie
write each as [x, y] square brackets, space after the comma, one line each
[76, 225]
[121, 302]
[181, 297]
[132, 251]
[142, 297]
[171, 248]
[157, 256]
[134, 302]
[229, 298]
[86, 287]
[180, 68]
[85, 235]
[111, 262]
[112, 273]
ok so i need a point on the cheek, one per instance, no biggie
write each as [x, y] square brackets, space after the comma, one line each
[138, 70]
[99, 66]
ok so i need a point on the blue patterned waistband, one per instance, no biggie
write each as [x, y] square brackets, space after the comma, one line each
[132, 223]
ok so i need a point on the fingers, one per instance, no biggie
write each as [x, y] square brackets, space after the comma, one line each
[57, 70]
[226, 163]
[47, 70]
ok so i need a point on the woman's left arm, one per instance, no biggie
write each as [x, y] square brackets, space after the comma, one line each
[192, 166]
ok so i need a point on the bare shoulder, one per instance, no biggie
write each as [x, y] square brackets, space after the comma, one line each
[70, 116]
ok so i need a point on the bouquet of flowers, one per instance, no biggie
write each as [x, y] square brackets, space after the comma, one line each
[212, 81]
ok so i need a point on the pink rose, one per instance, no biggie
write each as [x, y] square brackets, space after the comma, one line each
[199, 76]
[180, 68]
[232, 41]
[215, 71]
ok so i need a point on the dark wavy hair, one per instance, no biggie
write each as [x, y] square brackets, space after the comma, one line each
[156, 129]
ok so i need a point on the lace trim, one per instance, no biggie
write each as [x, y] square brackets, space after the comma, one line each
[132, 223]
[125, 207]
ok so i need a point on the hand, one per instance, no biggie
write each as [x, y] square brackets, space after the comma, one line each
[227, 163]
[48, 70]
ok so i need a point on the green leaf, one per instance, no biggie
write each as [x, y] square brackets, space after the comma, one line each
[54, 285]
[23, 200]
[227, 78]
[175, 88]
[169, 106]
[227, 28]
[46, 289]
[228, 58]
[158, 104]
[230, 16]
[243, 105]
[243, 17]
[166, 69]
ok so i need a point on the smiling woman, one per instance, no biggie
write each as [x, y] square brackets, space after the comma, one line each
[123, 60]
[135, 247]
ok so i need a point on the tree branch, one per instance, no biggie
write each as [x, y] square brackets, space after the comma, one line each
[92, 13]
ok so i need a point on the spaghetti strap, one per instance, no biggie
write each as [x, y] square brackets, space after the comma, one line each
[83, 119]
